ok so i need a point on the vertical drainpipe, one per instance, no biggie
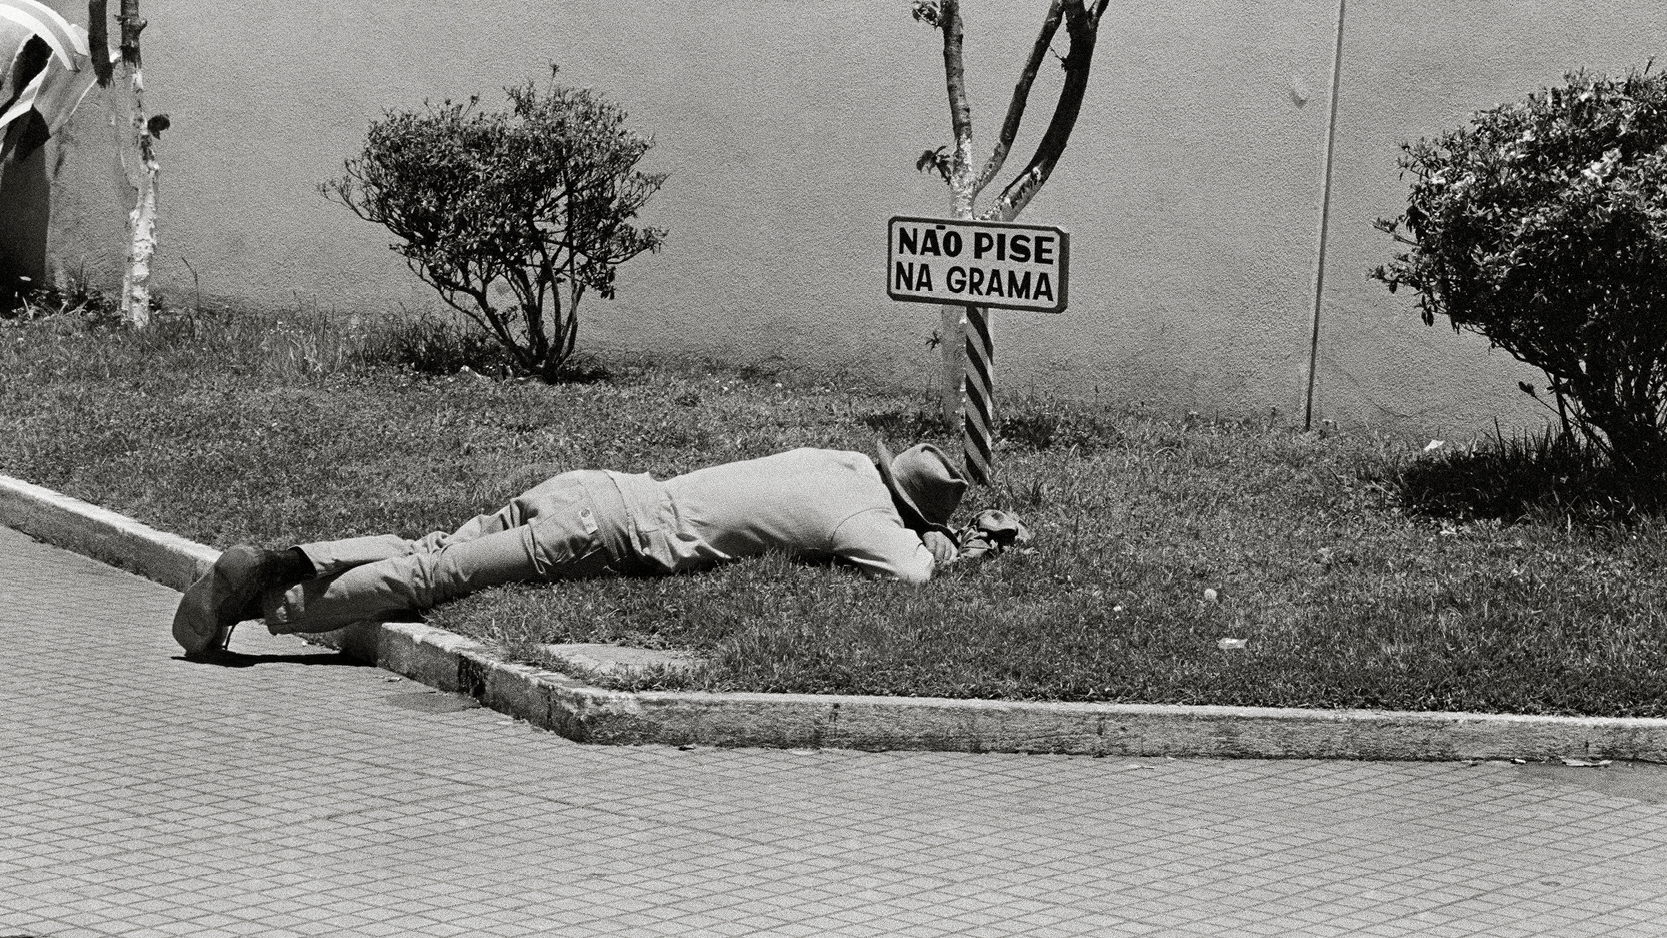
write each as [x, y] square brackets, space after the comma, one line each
[1325, 220]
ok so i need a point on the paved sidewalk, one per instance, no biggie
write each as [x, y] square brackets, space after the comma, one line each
[295, 794]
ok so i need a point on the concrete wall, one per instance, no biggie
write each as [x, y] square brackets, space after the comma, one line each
[1192, 187]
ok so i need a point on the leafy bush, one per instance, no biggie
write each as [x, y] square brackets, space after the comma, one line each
[1543, 226]
[533, 206]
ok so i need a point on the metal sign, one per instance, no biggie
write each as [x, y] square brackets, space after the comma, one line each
[977, 263]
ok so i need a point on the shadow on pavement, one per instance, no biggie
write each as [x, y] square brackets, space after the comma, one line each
[233, 659]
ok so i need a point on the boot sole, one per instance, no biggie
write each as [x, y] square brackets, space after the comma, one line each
[214, 604]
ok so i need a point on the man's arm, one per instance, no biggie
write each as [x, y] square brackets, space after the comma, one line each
[877, 543]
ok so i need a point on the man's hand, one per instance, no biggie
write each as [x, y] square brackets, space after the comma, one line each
[991, 533]
[944, 551]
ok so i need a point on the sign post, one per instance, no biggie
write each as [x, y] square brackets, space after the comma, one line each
[977, 264]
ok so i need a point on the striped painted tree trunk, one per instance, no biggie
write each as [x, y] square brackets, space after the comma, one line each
[978, 408]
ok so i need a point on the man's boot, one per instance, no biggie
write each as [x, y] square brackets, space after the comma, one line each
[220, 599]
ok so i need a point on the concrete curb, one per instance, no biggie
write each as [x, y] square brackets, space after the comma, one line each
[557, 702]
[588, 714]
[102, 534]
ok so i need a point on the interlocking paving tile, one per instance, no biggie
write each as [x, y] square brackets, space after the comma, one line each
[290, 792]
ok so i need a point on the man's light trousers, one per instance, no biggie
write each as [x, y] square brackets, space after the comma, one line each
[573, 525]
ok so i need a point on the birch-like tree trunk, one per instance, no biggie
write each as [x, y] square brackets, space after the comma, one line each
[963, 191]
[142, 175]
[1081, 19]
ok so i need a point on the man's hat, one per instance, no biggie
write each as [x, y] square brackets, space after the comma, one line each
[926, 487]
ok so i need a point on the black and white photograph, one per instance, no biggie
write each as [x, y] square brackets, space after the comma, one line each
[882, 469]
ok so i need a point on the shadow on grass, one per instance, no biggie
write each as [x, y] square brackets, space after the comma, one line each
[904, 424]
[1024, 428]
[1548, 477]
[442, 346]
[1044, 429]
[583, 369]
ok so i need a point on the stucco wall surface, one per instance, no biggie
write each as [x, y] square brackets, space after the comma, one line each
[1411, 70]
[1192, 187]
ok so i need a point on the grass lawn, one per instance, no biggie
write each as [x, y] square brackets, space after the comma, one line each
[276, 430]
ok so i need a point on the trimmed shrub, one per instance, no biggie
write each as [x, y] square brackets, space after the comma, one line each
[513, 217]
[1543, 227]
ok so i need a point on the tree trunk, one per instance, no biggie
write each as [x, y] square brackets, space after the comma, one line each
[952, 319]
[141, 221]
[964, 330]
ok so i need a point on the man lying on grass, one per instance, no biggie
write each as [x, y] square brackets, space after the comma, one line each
[887, 517]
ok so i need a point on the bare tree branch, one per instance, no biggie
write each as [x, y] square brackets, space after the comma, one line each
[1082, 27]
[98, 40]
[1021, 96]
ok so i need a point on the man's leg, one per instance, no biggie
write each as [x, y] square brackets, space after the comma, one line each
[558, 540]
[231, 591]
[332, 557]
